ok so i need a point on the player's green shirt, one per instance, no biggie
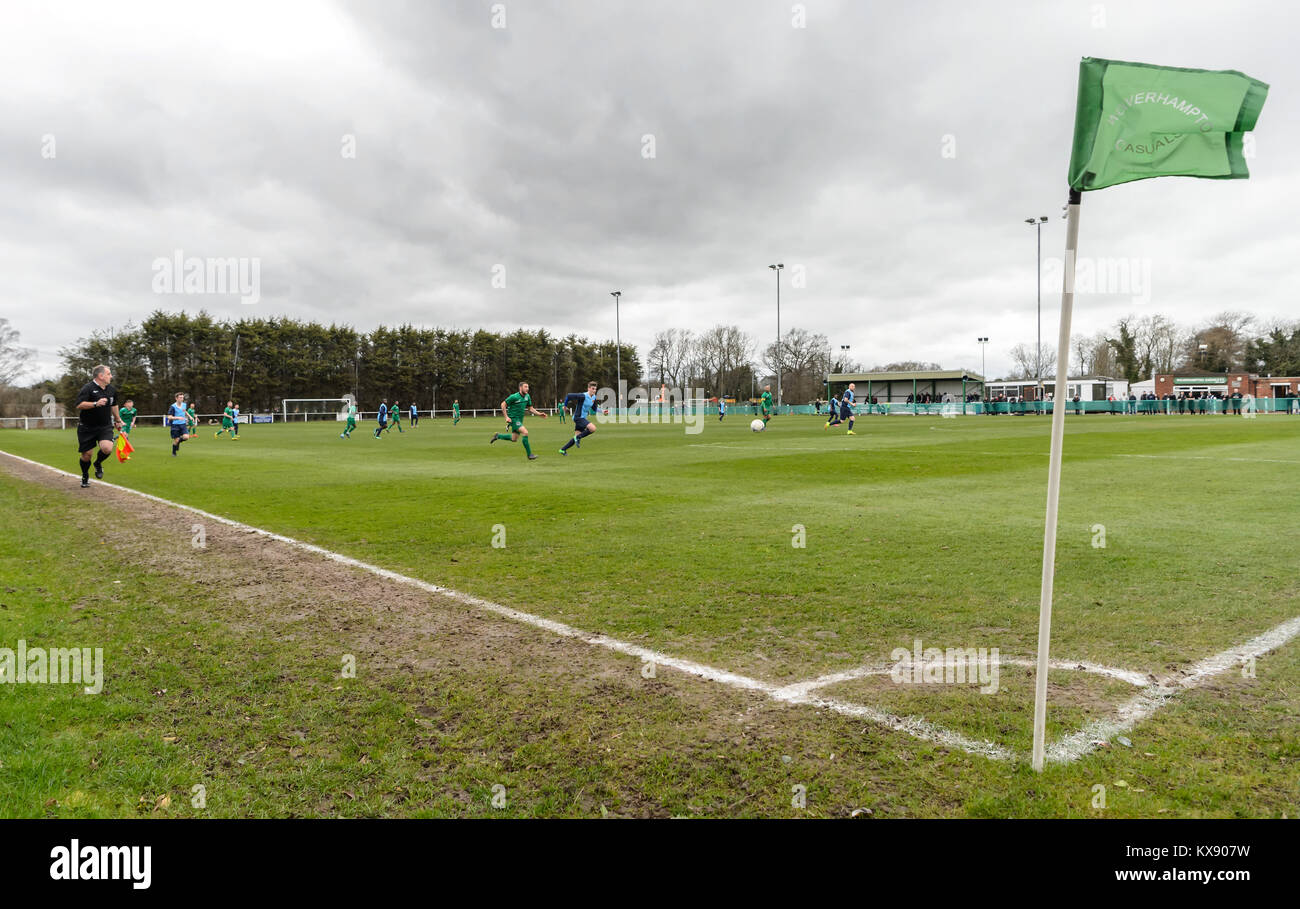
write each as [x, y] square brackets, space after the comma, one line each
[516, 404]
[128, 415]
[189, 412]
[766, 401]
[228, 414]
[455, 408]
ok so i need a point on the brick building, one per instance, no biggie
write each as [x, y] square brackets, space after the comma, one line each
[1229, 383]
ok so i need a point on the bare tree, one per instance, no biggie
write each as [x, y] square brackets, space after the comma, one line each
[804, 359]
[721, 353]
[907, 366]
[1081, 354]
[1220, 345]
[14, 358]
[1026, 365]
[670, 357]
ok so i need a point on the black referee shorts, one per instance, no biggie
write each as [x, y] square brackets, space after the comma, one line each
[89, 437]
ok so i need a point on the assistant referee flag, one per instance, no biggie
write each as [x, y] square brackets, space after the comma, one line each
[1135, 121]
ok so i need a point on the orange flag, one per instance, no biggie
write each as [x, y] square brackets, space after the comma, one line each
[123, 447]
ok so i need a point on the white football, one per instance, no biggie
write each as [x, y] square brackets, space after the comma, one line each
[758, 426]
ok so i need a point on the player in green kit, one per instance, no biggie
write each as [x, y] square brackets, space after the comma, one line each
[513, 409]
[127, 412]
[395, 417]
[352, 422]
[227, 421]
[765, 404]
[455, 412]
[191, 421]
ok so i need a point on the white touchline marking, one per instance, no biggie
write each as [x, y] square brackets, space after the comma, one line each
[914, 726]
[1154, 696]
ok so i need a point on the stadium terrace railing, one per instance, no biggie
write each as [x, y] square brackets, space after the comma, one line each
[1188, 406]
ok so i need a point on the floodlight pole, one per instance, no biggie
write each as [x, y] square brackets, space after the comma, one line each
[234, 368]
[777, 268]
[1038, 362]
[1054, 481]
[618, 348]
[984, 376]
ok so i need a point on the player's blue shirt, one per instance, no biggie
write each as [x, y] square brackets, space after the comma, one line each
[177, 413]
[582, 405]
[847, 397]
[383, 413]
[413, 411]
[722, 405]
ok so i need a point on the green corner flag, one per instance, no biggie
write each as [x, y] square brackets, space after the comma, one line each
[1135, 121]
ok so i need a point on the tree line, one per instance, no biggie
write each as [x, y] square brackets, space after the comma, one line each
[288, 358]
[1135, 347]
[722, 362]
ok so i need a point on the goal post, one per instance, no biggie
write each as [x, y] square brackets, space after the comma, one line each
[304, 409]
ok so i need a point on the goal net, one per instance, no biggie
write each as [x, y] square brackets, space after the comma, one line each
[303, 409]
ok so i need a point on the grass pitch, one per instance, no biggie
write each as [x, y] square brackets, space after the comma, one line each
[916, 528]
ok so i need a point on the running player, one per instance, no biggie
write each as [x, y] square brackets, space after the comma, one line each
[352, 422]
[178, 421]
[382, 417]
[513, 409]
[455, 412]
[234, 418]
[582, 406]
[395, 415]
[846, 408]
[765, 404]
[127, 412]
[833, 412]
[97, 417]
[227, 421]
[722, 408]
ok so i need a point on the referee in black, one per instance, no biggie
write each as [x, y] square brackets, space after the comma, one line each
[97, 408]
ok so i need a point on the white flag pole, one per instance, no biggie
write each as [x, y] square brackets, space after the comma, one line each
[1059, 400]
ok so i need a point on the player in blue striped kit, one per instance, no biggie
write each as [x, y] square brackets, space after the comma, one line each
[582, 406]
[846, 410]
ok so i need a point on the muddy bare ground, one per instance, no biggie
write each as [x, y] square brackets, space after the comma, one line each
[270, 588]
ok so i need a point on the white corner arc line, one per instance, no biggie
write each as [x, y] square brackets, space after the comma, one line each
[1154, 696]
[914, 726]
[1132, 677]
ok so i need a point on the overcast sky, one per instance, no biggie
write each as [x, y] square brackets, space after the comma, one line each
[384, 161]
